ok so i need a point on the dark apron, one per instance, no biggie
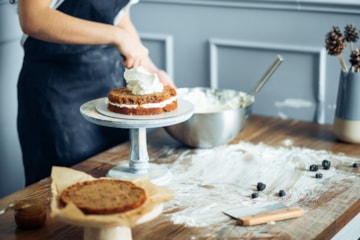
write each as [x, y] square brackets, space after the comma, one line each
[55, 80]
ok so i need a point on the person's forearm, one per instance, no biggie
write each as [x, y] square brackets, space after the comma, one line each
[126, 24]
[41, 22]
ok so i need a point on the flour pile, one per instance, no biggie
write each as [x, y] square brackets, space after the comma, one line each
[208, 181]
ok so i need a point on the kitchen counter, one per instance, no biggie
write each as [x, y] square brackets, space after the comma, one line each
[323, 218]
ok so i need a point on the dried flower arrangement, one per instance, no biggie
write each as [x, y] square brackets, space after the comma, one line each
[335, 43]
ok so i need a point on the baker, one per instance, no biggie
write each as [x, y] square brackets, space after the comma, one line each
[74, 51]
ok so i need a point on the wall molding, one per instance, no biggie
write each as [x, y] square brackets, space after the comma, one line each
[320, 52]
[330, 6]
[168, 41]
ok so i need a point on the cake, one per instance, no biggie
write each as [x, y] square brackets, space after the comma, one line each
[104, 196]
[143, 95]
[121, 100]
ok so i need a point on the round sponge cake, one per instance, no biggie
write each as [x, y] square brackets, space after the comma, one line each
[104, 196]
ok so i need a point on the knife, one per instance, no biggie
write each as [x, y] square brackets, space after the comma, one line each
[254, 215]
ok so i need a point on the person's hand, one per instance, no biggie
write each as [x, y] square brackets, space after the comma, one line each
[134, 52]
[165, 79]
[163, 76]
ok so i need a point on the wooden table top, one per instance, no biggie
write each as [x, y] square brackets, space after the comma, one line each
[322, 219]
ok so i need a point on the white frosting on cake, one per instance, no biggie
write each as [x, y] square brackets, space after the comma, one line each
[141, 82]
[147, 105]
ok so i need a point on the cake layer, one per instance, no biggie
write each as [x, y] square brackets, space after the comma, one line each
[124, 96]
[104, 196]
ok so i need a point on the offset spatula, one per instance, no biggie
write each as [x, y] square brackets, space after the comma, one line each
[254, 215]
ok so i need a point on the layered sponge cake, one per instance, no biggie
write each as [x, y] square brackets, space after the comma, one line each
[122, 100]
[143, 95]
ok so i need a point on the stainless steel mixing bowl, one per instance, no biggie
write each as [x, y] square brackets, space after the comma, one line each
[212, 125]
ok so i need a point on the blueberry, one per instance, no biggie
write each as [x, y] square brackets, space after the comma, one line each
[260, 186]
[254, 195]
[318, 175]
[282, 193]
[355, 165]
[326, 164]
[313, 168]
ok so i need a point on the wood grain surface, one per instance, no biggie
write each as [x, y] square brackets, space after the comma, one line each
[323, 218]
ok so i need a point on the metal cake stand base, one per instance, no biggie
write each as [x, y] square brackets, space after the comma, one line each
[96, 112]
[139, 162]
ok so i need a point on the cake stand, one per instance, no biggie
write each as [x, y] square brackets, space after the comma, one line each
[96, 112]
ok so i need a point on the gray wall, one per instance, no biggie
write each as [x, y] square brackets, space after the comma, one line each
[212, 43]
[230, 44]
[11, 53]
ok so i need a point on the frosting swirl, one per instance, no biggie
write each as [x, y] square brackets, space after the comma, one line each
[141, 82]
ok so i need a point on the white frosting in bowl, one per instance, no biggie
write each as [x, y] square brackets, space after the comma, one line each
[211, 100]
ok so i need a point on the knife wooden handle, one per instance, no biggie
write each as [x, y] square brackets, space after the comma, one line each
[271, 216]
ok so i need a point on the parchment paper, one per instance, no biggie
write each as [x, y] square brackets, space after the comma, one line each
[63, 177]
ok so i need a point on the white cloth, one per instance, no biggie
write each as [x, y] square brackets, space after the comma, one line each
[126, 8]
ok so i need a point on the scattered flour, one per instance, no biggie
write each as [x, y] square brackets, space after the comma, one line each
[208, 181]
[287, 142]
[294, 103]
